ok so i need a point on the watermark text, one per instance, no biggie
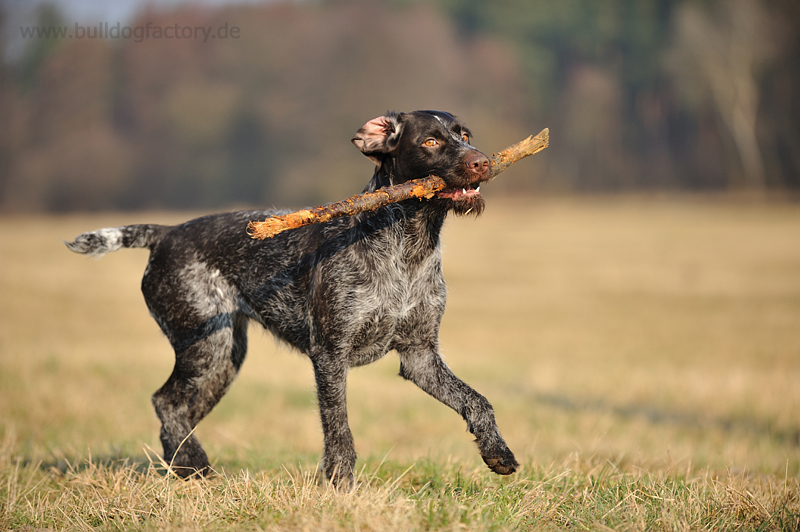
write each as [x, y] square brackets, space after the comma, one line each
[104, 30]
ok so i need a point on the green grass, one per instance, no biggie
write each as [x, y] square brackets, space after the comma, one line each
[642, 356]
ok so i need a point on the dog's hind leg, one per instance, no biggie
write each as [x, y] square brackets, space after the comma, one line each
[200, 313]
[203, 372]
[220, 378]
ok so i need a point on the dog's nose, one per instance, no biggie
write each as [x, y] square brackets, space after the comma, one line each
[477, 163]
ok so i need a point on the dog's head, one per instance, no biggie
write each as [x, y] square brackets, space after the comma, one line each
[408, 146]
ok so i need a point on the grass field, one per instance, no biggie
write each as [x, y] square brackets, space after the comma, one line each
[642, 356]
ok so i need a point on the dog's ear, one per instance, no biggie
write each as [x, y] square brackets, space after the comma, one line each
[378, 136]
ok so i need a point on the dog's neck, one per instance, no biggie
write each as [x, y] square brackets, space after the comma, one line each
[382, 177]
[420, 221]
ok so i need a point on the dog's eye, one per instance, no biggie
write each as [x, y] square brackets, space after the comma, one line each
[465, 137]
[431, 143]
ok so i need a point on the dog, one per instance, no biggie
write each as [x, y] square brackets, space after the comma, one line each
[345, 293]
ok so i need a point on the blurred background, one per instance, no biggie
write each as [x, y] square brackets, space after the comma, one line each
[639, 95]
[630, 293]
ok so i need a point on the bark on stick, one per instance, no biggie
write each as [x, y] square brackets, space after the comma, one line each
[423, 188]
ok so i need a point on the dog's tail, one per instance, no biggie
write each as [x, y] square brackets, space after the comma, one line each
[98, 243]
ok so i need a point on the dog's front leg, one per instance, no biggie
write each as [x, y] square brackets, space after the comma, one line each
[426, 369]
[339, 457]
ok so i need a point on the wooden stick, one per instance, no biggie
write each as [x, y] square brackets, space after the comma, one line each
[502, 160]
[423, 188]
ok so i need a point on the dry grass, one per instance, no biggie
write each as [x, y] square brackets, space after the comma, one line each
[642, 356]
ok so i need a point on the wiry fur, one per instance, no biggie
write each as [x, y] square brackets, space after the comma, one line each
[344, 293]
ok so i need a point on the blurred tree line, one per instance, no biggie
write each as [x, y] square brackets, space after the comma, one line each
[638, 95]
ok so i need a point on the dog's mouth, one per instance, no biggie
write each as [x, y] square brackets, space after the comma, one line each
[463, 200]
[466, 192]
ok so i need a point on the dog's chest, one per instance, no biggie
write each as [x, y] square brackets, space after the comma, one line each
[394, 296]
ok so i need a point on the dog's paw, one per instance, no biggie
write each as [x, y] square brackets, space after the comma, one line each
[340, 474]
[190, 462]
[504, 464]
